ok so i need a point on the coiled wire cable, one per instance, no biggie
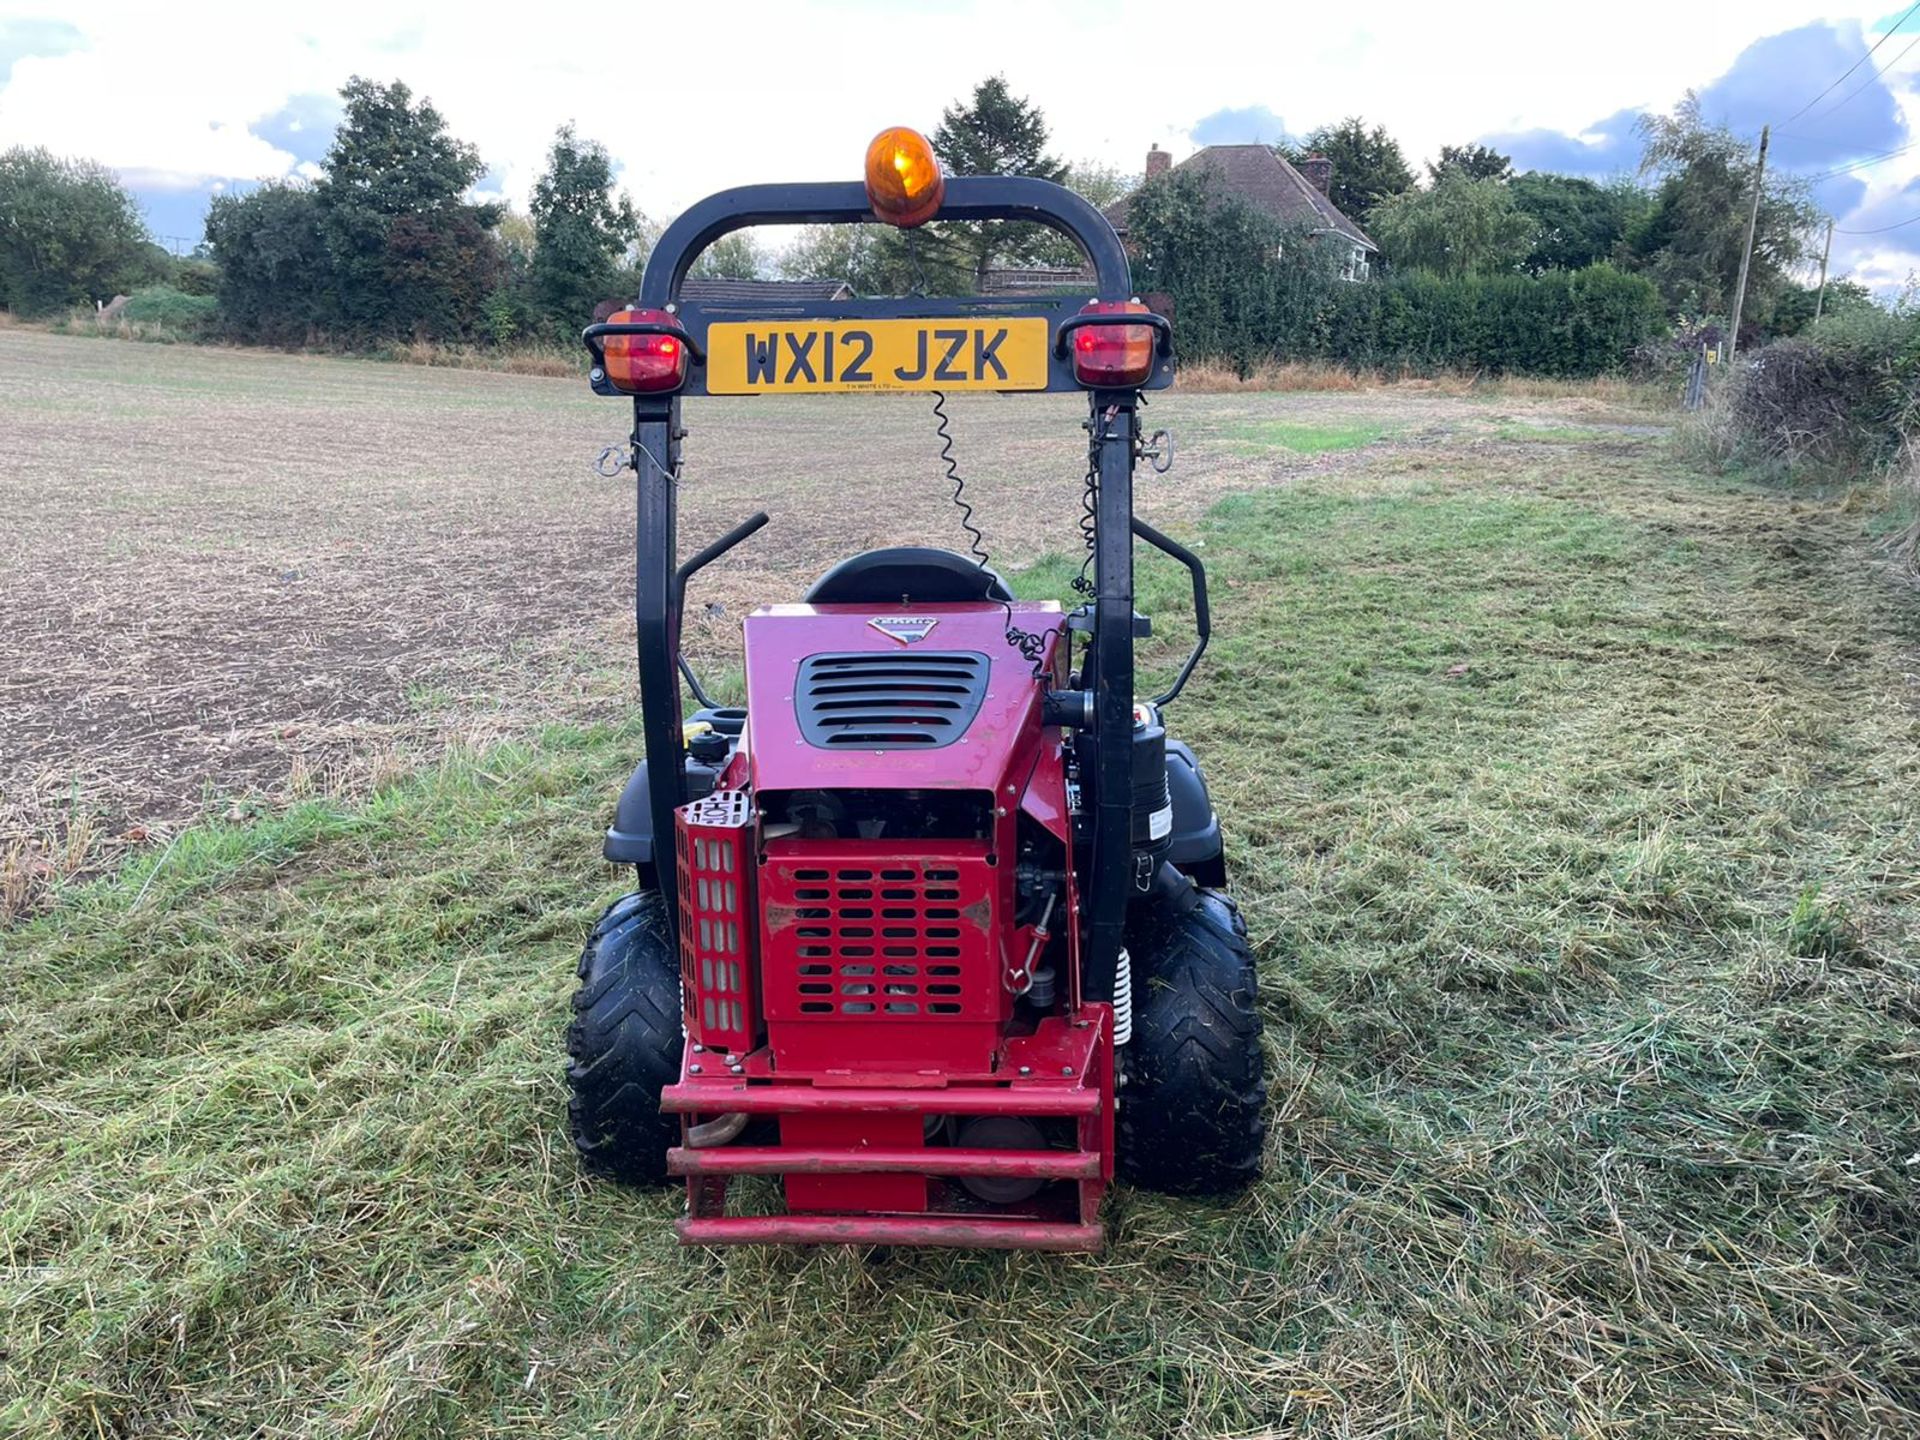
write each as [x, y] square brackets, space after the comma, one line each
[1031, 644]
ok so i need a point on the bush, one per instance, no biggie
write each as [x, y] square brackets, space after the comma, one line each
[276, 282]
[194, 276]
[1835, 405]
[161, 307]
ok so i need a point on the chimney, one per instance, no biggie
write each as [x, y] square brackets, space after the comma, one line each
[1319, 172]
[1158, 162]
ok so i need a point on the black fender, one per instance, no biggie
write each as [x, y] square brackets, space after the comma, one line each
[630, 838]
[1197, 848]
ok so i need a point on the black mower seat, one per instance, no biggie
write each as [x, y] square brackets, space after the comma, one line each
[913, 574]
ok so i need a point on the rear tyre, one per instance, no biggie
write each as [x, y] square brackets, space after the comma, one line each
[624, 1043]
[1190, 1120]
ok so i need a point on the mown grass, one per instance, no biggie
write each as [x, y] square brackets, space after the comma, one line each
[1254, 437]
[1571, 805]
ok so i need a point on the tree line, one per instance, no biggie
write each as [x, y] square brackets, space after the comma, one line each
[1485, 268]
[388, 243]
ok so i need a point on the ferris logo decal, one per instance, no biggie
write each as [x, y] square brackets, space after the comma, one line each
[905, 628]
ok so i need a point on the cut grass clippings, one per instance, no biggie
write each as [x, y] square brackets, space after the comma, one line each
[1575, 830]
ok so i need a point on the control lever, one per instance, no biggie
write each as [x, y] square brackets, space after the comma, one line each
[694, 564]
[1202, 616]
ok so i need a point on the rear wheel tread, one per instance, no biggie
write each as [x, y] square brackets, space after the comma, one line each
[1191, 1118]
[624, 1042]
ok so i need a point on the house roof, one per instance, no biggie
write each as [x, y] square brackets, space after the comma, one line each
[1029, 279]
[754, 292]
[1255, 174]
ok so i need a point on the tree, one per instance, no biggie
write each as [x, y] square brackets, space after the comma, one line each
[583, 232]
[870, 258]
[410, 255]
[1576, 222]
[1367, 164]
[1690, 243]
[69, 232]
[1458, 226]
[732, 257]
[1793, 309]
[1476, 162]
[276, 276]
[998, 133]
[1244, 287]
[1098, 184]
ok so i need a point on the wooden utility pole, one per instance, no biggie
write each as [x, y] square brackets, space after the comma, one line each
[1820, 300]
[1746, 253]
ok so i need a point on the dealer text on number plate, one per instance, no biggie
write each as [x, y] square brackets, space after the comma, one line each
[810, 356]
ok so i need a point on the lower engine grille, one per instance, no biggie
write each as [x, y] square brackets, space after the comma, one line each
[859, 940]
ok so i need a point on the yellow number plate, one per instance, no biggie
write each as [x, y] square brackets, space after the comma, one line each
[811, 356]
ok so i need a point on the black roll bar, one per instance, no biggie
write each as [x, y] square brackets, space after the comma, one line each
[844, 202]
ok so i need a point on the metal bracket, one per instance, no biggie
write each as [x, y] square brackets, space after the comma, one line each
[1157, 448]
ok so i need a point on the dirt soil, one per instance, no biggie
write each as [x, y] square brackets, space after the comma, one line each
[236, 577]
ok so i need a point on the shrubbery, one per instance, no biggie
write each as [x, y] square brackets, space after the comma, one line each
[1564, 323]
[1246, 291]
[1836, 404]
[163, 312]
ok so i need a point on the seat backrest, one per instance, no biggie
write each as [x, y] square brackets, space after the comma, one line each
[910, 574]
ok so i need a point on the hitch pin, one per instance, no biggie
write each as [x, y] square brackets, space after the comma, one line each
[611, 462]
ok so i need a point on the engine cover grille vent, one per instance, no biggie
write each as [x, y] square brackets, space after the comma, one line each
[871, 701]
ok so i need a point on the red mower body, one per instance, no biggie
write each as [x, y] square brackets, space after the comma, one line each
[862, 991]
[904, 923]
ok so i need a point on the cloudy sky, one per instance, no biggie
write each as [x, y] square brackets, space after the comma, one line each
[184, 101]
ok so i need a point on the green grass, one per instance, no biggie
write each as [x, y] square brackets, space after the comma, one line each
[1566, 434]
[1575, 828]
[1299, 437]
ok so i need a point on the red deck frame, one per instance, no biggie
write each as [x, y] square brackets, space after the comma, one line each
[854, 1174]
[931, 1230]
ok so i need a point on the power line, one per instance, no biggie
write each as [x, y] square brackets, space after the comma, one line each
[1862, 87]
[1856, 65]
[1867, 164]
[1882, 229]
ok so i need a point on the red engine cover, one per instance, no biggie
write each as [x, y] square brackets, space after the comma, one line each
[780, 637]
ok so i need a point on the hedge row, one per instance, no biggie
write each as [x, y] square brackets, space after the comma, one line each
[1567, 323]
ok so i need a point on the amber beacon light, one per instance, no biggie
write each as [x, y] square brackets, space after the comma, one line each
[904, 183]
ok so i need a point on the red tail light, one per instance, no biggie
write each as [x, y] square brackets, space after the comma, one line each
[1113, 355]
[645, 364]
